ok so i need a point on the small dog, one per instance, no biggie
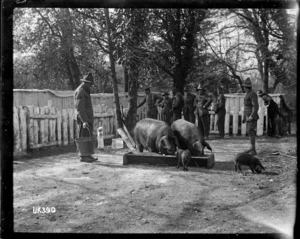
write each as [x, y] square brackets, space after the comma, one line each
[248, 160]
[184, 157]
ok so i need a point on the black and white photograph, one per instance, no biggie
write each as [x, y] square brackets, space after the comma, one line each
[154, 119]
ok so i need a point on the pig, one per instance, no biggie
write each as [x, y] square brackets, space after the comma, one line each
[189, 137]
[155, 136]
[248, 160]
[183, 157]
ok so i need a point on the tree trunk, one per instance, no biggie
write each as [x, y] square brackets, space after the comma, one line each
[125, 79]
[72, 68]
[130, 120]
[113, 70]
[179, 80]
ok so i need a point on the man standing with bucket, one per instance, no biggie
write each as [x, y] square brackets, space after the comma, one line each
[84, 112]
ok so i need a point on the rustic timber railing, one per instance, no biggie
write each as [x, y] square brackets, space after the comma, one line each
[37, 127]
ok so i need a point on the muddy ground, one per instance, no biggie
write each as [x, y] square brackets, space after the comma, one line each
[107, 197]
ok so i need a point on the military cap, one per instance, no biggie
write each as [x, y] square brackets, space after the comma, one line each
[88, 78]
[247, 83]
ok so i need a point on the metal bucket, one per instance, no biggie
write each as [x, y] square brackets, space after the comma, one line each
[85, 145]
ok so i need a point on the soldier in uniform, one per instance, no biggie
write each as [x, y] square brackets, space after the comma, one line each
[152, 101]
[84, 111]
[177, 104]
[220, 110]
[250, 116]
[272, 112]
[202, 103]
[188, 105]
[166, 105]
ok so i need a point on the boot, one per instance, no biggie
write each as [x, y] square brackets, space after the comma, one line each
[91, 157]
[87, 159]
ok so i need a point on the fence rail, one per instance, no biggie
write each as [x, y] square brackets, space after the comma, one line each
[37, 127]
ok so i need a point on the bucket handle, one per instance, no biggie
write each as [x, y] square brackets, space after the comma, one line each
[88, 130]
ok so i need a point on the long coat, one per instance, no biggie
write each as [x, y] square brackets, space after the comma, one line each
[83, 104]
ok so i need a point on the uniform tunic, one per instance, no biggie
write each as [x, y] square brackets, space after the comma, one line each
[83, 109]
[150, 101]
[202, 103]
[272, 111]
[189, 108]
[166, 105]
[250, 109]
[221, 112]
[177, 105]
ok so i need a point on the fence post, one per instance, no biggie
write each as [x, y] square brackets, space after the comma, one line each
[235, 121]
[227, 116]
[65, 126]
[260, 121]
[36, 127]
[23, 127]
[17, 137]
[59, 126]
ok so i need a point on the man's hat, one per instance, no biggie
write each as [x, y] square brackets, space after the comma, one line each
[146, 88]
[165, 93]
[88, 78]
[260, 93]
[200, 87]
[247, 83]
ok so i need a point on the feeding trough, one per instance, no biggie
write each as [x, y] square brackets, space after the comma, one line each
[170, 160]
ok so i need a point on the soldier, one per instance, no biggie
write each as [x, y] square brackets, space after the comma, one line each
[250, 116]
[220, 110]
[166, 105]
[84, 111]
[152, 101]
[202, 103]
[272, 111]
[177, 104]
[188, 107]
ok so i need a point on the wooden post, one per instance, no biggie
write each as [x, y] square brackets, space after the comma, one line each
[235, 123]
[52, 125]
[71, 125]
[30, 126]
[42, 127]
[46, 132]
[227, 116]
[17, 137]
[244, 129]
[260, 121]
[65, 127]
[36, 127]
[100, 138]
[216, 124]
[212, 122]
[23, 127]
[59, 126]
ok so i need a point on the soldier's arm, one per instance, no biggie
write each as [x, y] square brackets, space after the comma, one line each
[80, 106]
[157, 99]
[222, 101]
[208, 103]
[143, 102]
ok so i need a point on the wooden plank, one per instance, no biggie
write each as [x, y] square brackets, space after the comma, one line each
[71, 125]
[17, 136]
[216, 124]
[59, 126]
[243, 127]
[46, 133]
[65, 127]
[23, 127]
[235, 122]
[30, 112]
[227, 117]
[211, 122]
[260, 121]
[52, 125]
[47, 144]
[42, 127]
[36, 127]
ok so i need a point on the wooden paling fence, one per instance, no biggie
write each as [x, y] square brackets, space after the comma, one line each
[37, 127]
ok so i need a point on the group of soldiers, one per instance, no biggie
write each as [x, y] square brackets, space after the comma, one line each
[187, 104]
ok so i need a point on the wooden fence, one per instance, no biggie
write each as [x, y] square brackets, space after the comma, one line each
[36, 127]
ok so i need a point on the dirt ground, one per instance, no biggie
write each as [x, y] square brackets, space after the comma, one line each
[107, 197]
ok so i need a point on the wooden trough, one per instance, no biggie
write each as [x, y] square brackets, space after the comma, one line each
[170, 160]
